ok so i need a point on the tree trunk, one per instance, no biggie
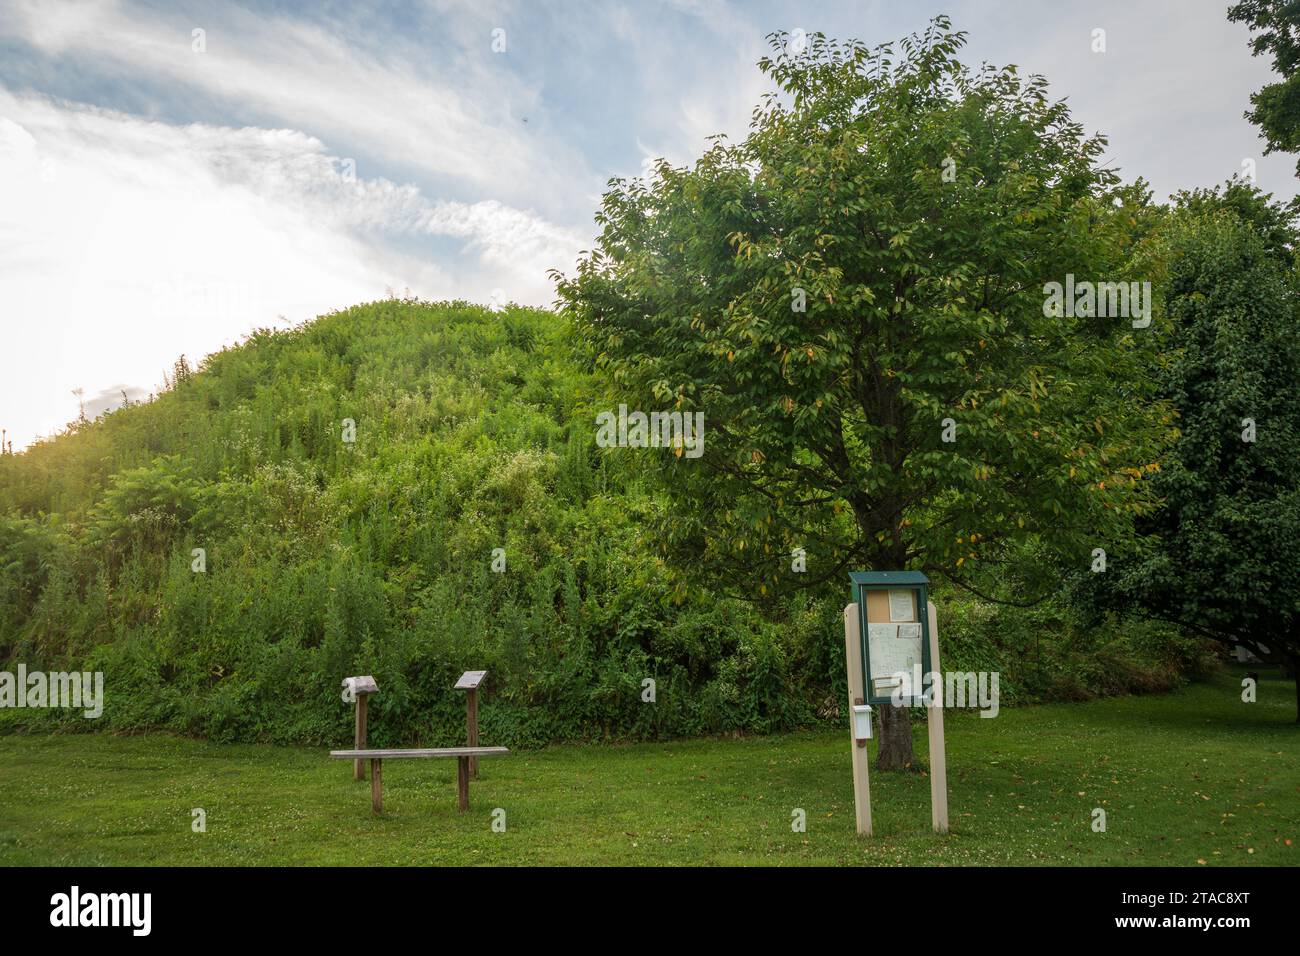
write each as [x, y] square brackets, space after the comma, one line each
[1293, 666]
[1289, 667]
[895, 749]
[895, 752]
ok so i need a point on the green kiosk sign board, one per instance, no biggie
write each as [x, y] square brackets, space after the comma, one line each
[891, 640]
[895, 632]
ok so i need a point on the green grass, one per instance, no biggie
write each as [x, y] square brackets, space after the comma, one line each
[1193, 776]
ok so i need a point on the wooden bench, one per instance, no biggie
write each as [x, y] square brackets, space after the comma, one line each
[377, 757]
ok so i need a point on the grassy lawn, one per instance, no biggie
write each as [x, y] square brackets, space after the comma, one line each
[1195, 777]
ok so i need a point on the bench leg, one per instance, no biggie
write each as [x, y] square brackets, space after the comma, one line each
[462, 782]
[376, 786]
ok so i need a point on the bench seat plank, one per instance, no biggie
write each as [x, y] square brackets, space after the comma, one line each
[425, 752]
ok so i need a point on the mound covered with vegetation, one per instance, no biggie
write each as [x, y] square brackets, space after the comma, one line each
[473, 447]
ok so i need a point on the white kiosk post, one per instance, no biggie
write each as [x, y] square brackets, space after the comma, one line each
[938, 752]
[859, 714]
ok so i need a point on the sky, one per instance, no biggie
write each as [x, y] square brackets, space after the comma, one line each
[175, 175]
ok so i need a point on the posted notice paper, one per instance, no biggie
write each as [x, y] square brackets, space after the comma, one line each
[888, 654]
[901, 605]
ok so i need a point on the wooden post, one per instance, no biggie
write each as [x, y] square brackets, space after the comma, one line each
[359, 765]
[471, 719]
[359, 689]
[376, 785]
[469, 682]
[857, 695]
[462, 782]
[934, 719]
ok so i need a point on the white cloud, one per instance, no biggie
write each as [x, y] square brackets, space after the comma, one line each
[115, 396]
[323, 77]
[126, 242]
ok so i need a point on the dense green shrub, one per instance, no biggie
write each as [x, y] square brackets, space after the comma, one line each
[474, 431]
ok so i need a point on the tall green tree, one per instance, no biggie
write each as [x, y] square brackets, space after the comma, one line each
[855, 298]
[1275, 25]
[1221, 548]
